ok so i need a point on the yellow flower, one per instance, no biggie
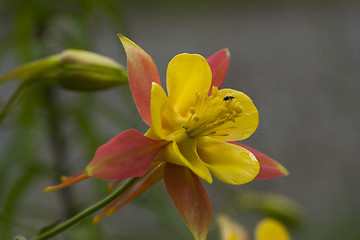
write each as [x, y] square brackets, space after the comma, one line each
[197, 125]
[271, 229]
[266, 229]
[190, 127]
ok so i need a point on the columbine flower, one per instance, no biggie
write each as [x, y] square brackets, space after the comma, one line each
[266, 229]
[190, 127]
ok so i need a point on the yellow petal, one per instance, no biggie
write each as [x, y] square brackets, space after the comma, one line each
[184, 154]
[187, 75]
[228, 162]
[245, 124]
[165, 121]
[231, 230]
[270, 229]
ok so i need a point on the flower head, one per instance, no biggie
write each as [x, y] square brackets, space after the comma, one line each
[190, 127]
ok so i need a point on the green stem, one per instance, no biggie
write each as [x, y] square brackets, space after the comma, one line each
[31, 69]
[13, 101]
[77, 218]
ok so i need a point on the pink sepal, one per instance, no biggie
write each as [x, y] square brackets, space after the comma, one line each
[190, 198]
[269, 168]
[142, 72]
[219, 64]
[129, 154]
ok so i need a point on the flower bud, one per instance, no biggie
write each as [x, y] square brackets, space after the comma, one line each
[87, 71]
[74, 70]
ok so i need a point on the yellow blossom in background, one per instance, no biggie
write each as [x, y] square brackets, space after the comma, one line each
[271, 229]
[266, 229]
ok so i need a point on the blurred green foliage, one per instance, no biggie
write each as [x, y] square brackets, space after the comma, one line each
[36, 132]
[272, 205]
[37, 28]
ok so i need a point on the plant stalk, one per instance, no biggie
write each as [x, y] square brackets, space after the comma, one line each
[82, 215]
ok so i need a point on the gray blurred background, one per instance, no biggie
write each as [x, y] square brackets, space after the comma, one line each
[299, 62]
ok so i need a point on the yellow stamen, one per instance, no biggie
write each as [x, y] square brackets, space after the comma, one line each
[210, 112]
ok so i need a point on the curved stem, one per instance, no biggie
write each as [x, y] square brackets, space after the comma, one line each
[13, 101]
[79, 217]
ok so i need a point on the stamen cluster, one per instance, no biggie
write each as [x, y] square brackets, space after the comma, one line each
[210, 112]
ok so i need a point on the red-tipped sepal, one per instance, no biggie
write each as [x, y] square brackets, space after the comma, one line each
[190, 198]
[269, 168]
[142, 72]
[129, 154]
[219, 64]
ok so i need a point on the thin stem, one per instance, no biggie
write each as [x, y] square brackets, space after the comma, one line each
[13, 101]
[79, 217]
[32, 69]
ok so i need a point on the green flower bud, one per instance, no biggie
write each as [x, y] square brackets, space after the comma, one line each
[73, 69]
[86, 71]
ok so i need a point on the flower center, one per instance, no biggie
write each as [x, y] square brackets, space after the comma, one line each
[210, 112]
